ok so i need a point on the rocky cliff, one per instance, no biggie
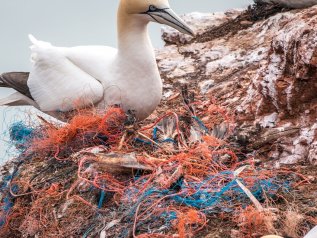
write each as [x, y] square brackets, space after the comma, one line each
[290, 3]
[239, 99]
[262, 64]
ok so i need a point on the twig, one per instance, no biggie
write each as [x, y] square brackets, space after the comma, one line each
[256, 203]
[122, 140]
[135, 220]
[155, 143]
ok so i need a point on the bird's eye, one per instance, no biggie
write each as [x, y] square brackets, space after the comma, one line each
[153, 8]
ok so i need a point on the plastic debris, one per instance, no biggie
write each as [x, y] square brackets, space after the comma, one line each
[98, 176]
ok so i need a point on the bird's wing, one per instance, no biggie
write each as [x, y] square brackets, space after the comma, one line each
[17, 81]
[95, 60]
[56, 83]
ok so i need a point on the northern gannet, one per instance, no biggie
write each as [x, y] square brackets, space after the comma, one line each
[290, 3]
[63, 79]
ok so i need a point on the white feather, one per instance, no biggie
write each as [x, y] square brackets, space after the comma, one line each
[17, 99]
[56, 83]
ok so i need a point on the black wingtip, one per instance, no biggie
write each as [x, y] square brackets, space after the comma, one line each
[2, 83]
[17, 81]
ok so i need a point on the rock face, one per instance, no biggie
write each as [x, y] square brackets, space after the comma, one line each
[290, 3]
[261, 63]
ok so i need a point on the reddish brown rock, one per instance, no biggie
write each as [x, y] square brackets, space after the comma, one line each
[265, 71]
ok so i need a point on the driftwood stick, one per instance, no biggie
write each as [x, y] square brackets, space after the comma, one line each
[119, 162]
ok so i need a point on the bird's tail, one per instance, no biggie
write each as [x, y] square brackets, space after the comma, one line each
[38, 48]
[17, 99]
[37, 43]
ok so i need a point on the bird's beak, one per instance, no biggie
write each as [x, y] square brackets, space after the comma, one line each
[168, 17]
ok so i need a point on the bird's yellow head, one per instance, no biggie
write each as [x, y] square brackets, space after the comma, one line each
[156, 11]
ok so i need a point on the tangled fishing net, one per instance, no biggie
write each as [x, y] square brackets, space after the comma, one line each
[105, 176]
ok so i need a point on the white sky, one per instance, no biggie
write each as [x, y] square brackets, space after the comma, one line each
[74, 22]
[68, 23]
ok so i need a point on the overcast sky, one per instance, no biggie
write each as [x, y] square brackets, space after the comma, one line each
[68, 23]
[73, 22]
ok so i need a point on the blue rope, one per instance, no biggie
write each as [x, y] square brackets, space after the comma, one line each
[169, 140]
[102, 198]
[20, 133]
[220, 200]
[86, 234]
[7, 198]
[138, 140]
[155, 137]
[201, 124]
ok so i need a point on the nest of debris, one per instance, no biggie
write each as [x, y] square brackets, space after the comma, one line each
[180, 174]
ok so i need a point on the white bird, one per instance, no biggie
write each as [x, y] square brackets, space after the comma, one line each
[63, 79]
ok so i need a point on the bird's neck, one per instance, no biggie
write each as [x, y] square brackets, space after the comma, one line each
[133, 38]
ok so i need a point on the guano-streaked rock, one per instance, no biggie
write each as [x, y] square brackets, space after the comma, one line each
[265, 71]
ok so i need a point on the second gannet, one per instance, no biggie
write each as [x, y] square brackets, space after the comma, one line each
[290, 3]
[63, 79]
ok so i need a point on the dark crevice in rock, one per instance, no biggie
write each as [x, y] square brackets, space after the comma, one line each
[253, 14]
